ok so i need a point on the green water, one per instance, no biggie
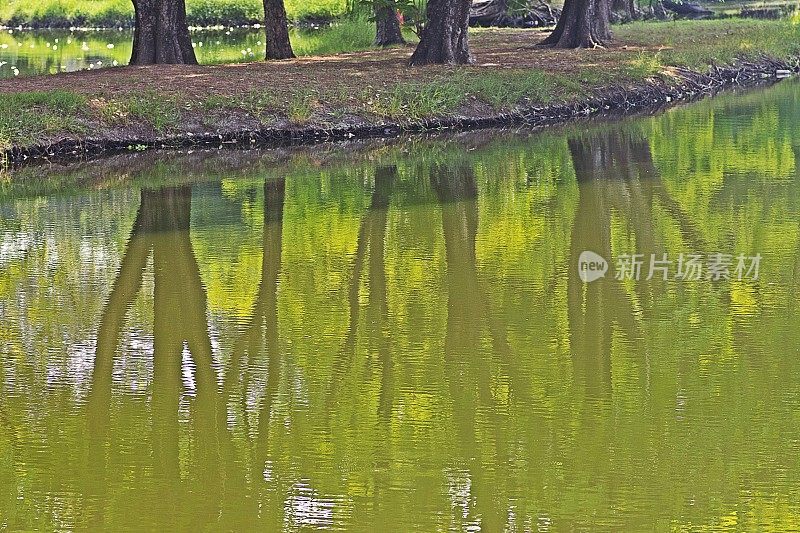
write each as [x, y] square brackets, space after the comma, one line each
[394, 337]
[33, 52]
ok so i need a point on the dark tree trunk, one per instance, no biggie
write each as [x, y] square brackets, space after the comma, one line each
[161, 34]
[444, 39]
[625, 8]
[277, 28]
[386, 24]
[583, 24]
[659, 11]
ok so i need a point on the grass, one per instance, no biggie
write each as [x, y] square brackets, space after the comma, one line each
[645, 65]
[27, 117]
[256, 103]
[319, 96]
[414, 101]
[346, 35]
[160, 112]
[696, 44]
[301, 106]
[114, 13]
[500, 90]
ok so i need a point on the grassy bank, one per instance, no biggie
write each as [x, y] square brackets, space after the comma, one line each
[369, 87]
[114, 13]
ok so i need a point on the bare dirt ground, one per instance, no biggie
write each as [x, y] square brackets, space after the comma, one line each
[493, 49]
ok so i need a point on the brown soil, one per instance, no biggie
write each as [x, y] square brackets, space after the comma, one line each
[493, 49]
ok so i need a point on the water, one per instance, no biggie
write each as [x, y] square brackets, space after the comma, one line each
[395, 336]
[31, 52]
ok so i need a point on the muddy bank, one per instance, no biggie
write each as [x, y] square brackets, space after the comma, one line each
[678, 85]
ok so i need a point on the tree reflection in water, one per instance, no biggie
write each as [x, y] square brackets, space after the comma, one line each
[484, 386]
[161, 229]
[469, 320]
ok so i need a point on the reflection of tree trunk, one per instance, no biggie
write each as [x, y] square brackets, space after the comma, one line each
[371, 240]
[602, 166]
[377, 312]
[796, 270]
[614, 171]
[261, 333]
[126, 286]
[469, 376]
[267, 302]
[376, 321]
[589, 316]
[162, 225]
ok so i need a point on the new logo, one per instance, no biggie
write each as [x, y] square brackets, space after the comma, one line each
[591, 266]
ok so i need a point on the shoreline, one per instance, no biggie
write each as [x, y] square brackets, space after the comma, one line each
[303, 24]
[616, 101]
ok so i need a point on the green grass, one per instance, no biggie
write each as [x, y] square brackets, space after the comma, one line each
[301, 106]
[696, 44]
[500, 90]
[645, 65]
[113, 13]
[28, 117]
[160, 112]
[109, 13]
[347, 35]
[414, 101]
[303, 9]
[257, 103]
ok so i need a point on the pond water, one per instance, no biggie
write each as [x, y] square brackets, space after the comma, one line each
[31, 52]
[396, 335]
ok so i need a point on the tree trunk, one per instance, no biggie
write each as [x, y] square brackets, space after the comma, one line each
[444, 39]
[625, 8]
[161, 34]
[277, 28]
[659, 11]
[386, 24]
[583, 24]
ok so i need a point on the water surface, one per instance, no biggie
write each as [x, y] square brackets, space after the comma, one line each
[33, 52]
[396, 337]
